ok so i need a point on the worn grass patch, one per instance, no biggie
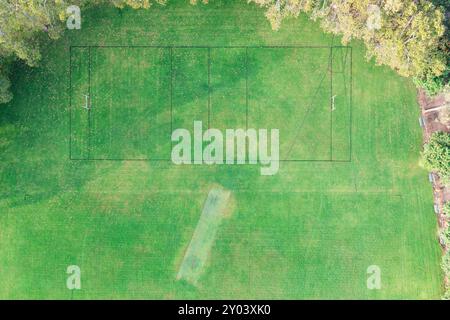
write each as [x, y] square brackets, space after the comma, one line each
[198, 251]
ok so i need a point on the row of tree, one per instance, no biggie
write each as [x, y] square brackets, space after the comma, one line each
[407, 35]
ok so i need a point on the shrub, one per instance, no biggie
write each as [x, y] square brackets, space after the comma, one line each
[433, 85]
[446, 208]
[436, 155]
[407, 35]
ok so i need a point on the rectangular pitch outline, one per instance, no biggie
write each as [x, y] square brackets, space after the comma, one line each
[171, 48]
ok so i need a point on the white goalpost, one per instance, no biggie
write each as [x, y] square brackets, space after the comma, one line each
[87, 104]
[333, 98]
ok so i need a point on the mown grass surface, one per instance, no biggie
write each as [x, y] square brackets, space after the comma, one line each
[311, 231]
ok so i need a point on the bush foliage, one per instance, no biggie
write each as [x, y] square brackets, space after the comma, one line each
[436, 155]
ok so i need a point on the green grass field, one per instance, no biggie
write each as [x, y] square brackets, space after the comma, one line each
[135, 105]
[95, 188]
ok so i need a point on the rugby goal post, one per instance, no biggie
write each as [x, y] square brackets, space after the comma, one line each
[87, 102]
[333, 99]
